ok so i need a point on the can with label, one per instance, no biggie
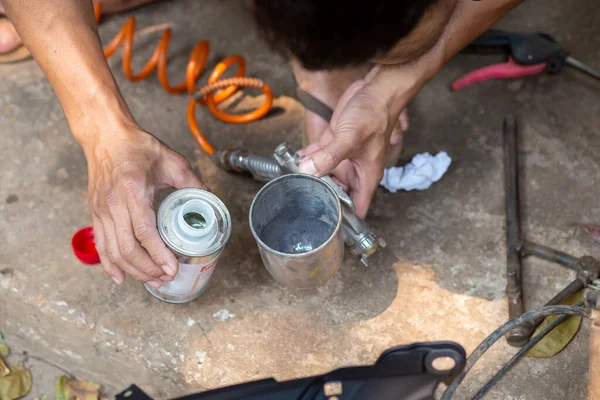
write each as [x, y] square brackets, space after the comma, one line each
[195, 225]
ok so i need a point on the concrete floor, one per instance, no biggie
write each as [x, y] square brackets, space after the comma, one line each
[441, 278]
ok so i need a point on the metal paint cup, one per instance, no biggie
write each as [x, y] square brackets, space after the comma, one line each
[195, 225]
[296, 220]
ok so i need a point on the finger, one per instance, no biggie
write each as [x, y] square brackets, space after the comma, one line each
[114, 255]
[130, 250]
[9, 38]
[344, 174]
[362, 197]
[143, 219]
[322, 161]
[178, 173]
[397, 133]
[404, 120]
[109, 268]
[363, 188]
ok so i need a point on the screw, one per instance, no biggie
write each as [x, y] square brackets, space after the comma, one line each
[282, 149]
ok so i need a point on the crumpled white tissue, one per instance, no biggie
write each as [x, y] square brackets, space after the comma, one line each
[419, 174]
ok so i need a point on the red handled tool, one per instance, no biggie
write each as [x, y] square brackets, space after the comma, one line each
[528, 54]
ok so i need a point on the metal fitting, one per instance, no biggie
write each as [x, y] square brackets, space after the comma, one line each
[261, 168]
[592, 297]
[588, 270]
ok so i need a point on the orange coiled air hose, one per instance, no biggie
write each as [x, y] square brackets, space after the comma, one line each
[204, 96]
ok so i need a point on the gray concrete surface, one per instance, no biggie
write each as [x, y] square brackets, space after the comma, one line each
[441, 278]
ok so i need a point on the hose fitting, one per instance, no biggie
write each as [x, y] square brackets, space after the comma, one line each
[263, 169]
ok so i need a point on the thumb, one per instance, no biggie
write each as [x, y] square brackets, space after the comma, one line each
[188, 179]
[324, 160]
[179, 175]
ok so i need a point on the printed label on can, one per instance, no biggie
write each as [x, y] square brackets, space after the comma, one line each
[191, 279]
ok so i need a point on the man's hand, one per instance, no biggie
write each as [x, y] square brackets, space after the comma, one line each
[353, 145]
[125, 164]
[364, 124]
[124, 172]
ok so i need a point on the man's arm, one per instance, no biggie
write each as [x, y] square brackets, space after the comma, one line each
[125, 164]
[353, 147]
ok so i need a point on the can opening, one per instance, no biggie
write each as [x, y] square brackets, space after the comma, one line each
[195, 220]
[295, 214]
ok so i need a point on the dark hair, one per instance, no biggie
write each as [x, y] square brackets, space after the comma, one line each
[326, 34]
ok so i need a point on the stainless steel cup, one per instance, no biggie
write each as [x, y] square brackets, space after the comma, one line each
[296, 220]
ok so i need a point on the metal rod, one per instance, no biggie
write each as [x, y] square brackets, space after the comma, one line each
[518, 336]
[583, 67]
[570, 290]
[547, 253]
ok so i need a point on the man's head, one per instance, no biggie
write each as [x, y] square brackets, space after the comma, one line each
[328, 34]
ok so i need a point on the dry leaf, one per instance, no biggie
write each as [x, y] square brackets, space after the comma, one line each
[71, 389]
[593, 230]
[4, 371]
[560, 336]
[15, 385]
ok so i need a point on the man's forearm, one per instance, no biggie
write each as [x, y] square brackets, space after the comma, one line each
[469, 20]
[399, 83]
[62, 37]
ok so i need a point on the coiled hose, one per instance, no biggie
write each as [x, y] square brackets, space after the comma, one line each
[206, 95]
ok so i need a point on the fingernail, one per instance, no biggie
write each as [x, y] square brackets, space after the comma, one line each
[168, 270]
[166, 278]
[308, 167]
[118, 282]
[155, 284]
[404, 124]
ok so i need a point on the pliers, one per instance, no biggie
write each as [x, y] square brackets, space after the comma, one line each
[528, 54]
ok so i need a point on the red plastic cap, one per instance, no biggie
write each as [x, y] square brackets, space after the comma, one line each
[84, 246]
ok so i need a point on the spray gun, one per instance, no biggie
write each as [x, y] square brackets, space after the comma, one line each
[359, 237]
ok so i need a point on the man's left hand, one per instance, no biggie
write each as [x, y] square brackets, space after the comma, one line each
[354, 146]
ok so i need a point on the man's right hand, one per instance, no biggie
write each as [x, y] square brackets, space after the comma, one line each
[125, 164]
[125, 168]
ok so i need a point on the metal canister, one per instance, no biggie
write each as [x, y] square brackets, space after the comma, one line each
[296, 220]
[195, 225]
